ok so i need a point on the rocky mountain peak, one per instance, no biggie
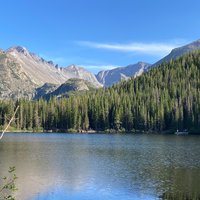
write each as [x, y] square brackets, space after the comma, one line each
[81, 73]
[141, 63]
[110, 77]
[189, 47]
[51, 63]
[195, 43]
[73, 67]
[18, 49]
[180, 51]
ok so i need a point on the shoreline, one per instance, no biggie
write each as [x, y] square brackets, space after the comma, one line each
[110, 131]
[96, 132]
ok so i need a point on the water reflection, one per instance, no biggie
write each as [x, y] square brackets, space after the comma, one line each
[78, 167]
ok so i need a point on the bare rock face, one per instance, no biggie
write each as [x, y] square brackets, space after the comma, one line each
[39, 70]
[110, 77]
[14, 82]
[23, 72]
[47, 88]
[177, 52]
[81, 73]
[71, 86]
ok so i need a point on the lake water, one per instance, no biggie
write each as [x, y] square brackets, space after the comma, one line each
[102, 167]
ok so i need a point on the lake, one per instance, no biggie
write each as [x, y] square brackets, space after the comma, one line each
[101, 167]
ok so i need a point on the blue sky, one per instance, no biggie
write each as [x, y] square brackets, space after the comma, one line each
[99, 34]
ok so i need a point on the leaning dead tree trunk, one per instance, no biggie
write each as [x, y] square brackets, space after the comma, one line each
[2, 134]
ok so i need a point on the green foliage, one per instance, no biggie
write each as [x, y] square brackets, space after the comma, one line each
[165, 98]
[8, 185]
[179, 196]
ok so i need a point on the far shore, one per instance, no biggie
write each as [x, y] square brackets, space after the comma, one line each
[112, 131]
[192, 131]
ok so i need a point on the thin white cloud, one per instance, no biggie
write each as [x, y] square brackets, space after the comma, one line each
[135, 47]
[99, 67]
[88, 63]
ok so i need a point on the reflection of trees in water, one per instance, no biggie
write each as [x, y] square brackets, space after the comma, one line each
[142, 165]
[164, 172]
[177, 183]
[179, 196]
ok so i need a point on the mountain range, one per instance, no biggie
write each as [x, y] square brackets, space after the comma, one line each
[110, 77]
[22, 73]
[25, 74]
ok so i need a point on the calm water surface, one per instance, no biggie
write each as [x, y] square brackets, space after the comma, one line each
[101, 167]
